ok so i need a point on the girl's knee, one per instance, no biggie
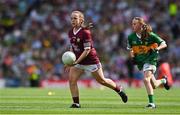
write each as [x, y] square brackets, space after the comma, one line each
[102, 82]
[147, 74]
[146, 80]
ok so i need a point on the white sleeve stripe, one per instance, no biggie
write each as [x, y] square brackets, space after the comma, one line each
[163, 42]
[88, 44]
[128, 48]
[87, 48]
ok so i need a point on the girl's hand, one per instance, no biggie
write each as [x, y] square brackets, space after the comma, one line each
[67, 67]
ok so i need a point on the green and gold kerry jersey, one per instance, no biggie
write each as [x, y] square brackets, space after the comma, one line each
[142, 48]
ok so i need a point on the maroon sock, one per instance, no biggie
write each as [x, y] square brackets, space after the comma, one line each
[117, 89]
[76, 99]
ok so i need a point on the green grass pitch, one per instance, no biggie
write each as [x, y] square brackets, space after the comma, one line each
[93, 101]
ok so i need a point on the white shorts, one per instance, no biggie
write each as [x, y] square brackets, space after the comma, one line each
[90, 68]
[149, 67]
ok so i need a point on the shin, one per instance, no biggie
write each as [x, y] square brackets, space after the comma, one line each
[147, 82]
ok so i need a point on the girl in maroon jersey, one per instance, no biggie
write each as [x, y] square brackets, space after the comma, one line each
[87, 59]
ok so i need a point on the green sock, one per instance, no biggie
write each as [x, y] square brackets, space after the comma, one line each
[163, 81]
[151, 99]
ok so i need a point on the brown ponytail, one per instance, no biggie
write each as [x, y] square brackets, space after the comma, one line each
[146, 29]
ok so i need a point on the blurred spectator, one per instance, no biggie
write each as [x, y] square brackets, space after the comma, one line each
[130, 68]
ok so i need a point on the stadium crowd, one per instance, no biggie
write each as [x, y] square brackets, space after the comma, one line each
[33, 35]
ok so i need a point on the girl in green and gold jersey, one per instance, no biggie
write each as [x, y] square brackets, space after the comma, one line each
[144, 46]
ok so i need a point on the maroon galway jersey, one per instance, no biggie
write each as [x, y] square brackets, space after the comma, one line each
[78, 41]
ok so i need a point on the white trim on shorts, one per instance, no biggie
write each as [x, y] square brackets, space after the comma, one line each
[89, 68]
[149, 67]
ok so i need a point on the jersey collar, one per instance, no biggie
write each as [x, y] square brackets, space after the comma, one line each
[139, 36]
[75, 32]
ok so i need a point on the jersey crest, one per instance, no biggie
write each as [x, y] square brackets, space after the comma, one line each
[78, 40]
